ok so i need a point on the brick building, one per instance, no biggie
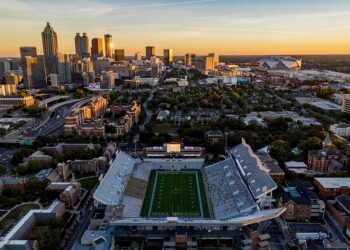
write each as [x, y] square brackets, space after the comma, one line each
[328, 160]
[329, 188]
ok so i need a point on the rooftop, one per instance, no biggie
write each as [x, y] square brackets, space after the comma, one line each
[334, 182]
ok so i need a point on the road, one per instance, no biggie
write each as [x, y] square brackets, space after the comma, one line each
[149, 112]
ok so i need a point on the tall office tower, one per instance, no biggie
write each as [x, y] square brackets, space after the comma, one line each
[96, 47]
[215, 59]
[168, 57]
[119, 55]
[85, 45]
[101, 64]
[28, 51]
[150, 51]
[64, 68]
[5, 67]
[108, 45]
[155, 63]
[138, 56]
[34, 72]
[49, 38]
[190, 59]
[77, 41]
[82, 45]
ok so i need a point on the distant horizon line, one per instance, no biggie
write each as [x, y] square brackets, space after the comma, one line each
[224, 55]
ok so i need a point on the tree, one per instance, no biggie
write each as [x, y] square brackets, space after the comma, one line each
[281, 151]
[311, 143]
[3, 170]
[3, 131]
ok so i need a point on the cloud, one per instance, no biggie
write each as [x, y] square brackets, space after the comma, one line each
[166, 4]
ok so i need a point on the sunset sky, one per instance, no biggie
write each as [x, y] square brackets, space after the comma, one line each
[228, 27]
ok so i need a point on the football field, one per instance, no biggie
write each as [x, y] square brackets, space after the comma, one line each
[171, 193]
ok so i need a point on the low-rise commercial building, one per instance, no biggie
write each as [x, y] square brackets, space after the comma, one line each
[331, 187]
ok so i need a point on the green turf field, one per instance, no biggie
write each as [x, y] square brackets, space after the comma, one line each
[175, 194]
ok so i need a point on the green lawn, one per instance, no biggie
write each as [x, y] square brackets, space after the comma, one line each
[175, 194]
[89, 182]
[14, 215]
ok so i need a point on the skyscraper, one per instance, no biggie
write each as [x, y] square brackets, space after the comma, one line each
[168, 57]
[96, 47]
[49, 38]
[150, 51]
[82, 45]
[189, 59]
[108, 45]
[138, 56]
[34, 72]
[119, 55]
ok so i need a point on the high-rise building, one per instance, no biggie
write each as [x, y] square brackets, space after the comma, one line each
[215, 59]
[28, 51]
[64, 68]
[77, 42]
[5, 67]
[49, 39]
[34, 72]
[189, 59]
[155, 63]
[96, 47]
[138, 56]
[119, 55]
[150, 51]
[82, 45]
[108, 45]
[108, 80]
[168, 57]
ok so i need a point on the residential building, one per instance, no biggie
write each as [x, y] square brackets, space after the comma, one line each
[84, 121]
[89, 166]
[340, 129]
[70, 195]
[108, 46]
[214, 136]
[125, 123]
[328, 159]
[15, 237]
[331, 187]
[150, 51]
[96, 48]
[12, 183]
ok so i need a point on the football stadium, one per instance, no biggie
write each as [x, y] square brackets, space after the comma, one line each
[172, 196]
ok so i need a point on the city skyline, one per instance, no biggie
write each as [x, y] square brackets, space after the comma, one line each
[231, 27]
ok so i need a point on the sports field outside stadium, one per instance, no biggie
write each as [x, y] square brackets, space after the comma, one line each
[175, 193]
